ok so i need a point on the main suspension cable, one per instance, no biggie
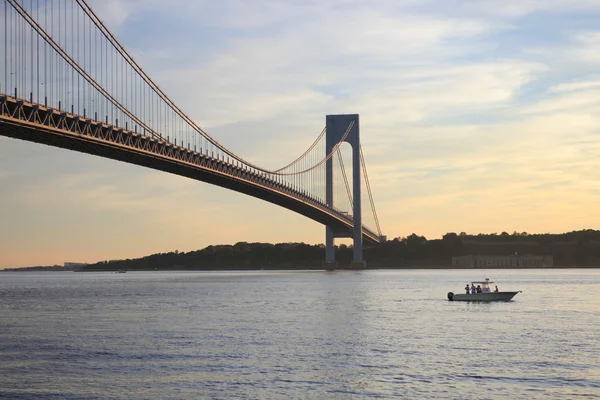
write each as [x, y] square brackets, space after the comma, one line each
[364, 168]
[323, 161]
[297, 160]
[343, 168]
[25, 15]
[121, 50]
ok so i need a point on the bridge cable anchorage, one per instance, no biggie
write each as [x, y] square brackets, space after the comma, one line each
[62, 53]
[343, 168]
[364, 168]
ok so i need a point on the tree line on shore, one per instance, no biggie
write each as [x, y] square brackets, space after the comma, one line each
[577, 248]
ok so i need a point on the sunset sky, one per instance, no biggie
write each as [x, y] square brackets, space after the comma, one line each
[476, 116]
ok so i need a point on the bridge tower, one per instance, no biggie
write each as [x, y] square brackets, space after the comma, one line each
[336, 126]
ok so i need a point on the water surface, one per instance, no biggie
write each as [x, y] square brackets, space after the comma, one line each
[321, 335]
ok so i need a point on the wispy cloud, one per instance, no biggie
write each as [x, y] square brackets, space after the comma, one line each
[575, 86]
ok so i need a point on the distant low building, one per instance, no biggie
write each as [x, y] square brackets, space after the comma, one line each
[74, 265]
[514, 261]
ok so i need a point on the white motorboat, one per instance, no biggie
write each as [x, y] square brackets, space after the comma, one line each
[483, 293]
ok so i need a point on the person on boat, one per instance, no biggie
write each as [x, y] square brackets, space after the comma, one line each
[467, 289]
[496, 289]
[478, 289]
[473, 289]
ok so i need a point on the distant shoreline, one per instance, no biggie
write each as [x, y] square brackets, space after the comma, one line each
[299, 268]
[576, 249]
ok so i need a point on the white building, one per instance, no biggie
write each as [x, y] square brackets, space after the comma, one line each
[514, 261]
[74, 264]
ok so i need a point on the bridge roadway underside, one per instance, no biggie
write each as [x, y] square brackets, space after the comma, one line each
[27, 131]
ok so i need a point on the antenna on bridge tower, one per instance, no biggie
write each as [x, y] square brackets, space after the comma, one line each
[336, 131]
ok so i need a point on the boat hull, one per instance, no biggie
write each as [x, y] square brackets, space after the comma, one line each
[492, 296]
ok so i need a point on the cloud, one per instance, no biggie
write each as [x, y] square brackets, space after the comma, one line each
[575, 86]
[391, 67]
[572, 101]
[587, 51]
[114, 13]
[513, 9]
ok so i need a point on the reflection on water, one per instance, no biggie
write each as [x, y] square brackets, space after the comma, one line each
[165, 335]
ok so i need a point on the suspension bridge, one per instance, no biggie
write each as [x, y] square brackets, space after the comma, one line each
[67, 82]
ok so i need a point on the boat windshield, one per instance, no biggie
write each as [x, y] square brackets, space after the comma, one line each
[485, 286]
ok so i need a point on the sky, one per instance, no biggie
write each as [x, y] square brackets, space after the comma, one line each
[476, 116]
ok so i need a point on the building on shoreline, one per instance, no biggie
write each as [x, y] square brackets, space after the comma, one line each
[74, 264]
[512, 261]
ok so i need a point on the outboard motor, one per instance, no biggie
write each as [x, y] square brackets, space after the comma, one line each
[450, 296]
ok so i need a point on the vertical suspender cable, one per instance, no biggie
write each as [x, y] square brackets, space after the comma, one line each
[31, 59]
[5, 89]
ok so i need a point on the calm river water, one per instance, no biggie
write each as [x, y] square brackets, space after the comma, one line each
[301, 335]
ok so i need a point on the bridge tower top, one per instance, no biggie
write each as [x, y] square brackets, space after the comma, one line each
[337, 126]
